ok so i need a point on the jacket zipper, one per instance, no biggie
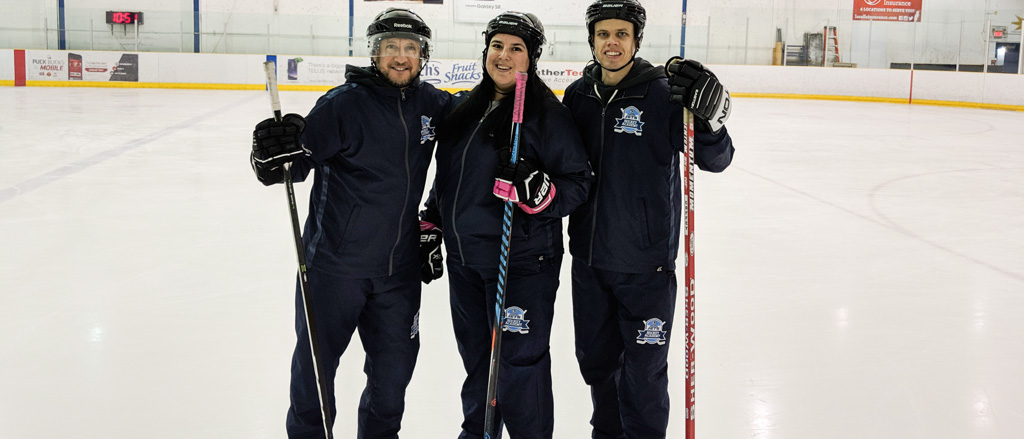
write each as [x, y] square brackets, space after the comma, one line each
[600, 164]
[458, 188]
[408, 184]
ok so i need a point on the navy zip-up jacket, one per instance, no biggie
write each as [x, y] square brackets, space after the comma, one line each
[369, 146]
[631, 221]
[462, 200]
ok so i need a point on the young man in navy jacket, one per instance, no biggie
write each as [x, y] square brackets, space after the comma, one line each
[625, 239]
[368, 143]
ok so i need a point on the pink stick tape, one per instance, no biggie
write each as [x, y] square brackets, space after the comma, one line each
[517, 109]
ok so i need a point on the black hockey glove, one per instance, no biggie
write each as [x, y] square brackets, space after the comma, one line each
[431, 261]
[697, 88]
[274, 144]
[522, 183]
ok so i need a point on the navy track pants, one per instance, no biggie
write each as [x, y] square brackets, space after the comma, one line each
[623, 323]
[525, 401]
[385, 311]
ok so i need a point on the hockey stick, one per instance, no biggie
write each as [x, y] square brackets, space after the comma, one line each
[688, 280]
[270, 68]
[490, 429]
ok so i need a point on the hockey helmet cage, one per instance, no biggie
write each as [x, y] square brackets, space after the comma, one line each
[398, 23]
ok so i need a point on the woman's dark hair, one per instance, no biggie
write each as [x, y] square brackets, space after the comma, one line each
[499, 124]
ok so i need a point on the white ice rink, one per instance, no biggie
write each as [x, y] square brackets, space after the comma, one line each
[860, 274]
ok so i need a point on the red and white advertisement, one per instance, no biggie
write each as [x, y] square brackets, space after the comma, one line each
[887, 10]
[54, 65]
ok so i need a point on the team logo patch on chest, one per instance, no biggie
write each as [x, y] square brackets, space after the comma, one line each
[630, 122]
[653, 332]
[426, 130]
[515, 320]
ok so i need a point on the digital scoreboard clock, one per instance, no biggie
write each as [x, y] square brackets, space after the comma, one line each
[118, 17]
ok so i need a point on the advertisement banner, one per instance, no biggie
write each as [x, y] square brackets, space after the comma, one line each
[74, 67]
[562, 12]
[312, 70]
[446, 73]
[887, 10]
[126, 68]
[46, 65]
[558, 75]
[462, 74]
[450, 74]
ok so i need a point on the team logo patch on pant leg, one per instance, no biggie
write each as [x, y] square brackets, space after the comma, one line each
[515, 320]
[415, 326]
[652, 333]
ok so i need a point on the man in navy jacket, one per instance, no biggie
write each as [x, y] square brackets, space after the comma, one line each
[625, 239]
[368, 143]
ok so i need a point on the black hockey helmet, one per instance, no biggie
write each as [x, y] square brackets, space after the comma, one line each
[523, 25]
[398, 23]
[628, 10]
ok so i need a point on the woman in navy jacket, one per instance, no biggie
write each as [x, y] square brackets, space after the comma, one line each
[550, 180]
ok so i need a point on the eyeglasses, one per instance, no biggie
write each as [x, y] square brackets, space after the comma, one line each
[396, 47]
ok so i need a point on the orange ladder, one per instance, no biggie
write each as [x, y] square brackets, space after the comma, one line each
[831, 46]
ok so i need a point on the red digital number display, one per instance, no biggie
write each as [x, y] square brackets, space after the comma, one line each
[119, 17]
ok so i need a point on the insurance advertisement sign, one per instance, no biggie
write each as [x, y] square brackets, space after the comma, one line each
[887, 10]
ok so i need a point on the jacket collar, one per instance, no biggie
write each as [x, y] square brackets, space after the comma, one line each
[634, 85]
[370, 77]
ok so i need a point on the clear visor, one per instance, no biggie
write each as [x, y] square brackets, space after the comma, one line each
[398, 44]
